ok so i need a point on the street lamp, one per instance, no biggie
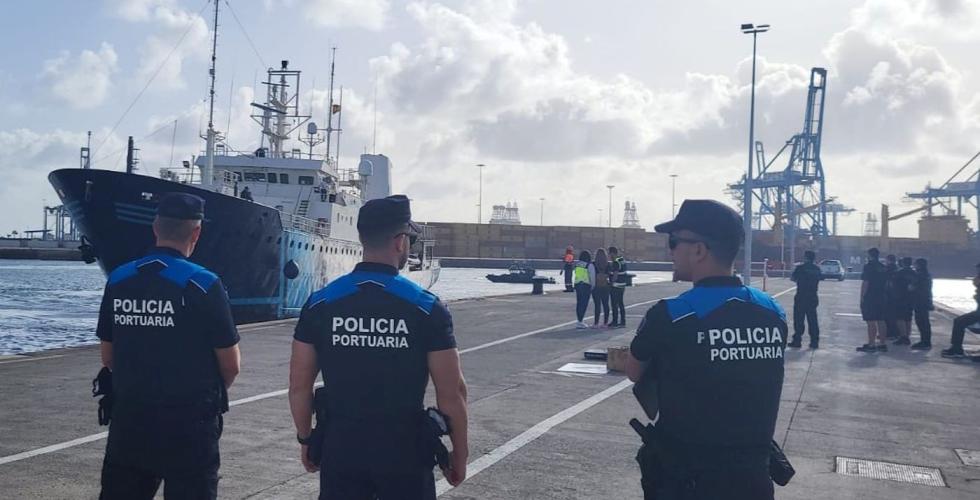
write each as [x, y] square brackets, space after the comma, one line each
[610, 187]
[673, 197]
[749, 29]
[479, 203]
[542, 211]
[600, 217]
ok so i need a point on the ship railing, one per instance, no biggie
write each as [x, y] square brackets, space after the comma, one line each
[305, 224]
[181, 175]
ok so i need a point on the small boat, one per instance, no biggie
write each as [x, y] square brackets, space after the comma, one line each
[518, 272]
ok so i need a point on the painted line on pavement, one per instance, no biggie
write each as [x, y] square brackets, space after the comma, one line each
[30, 358]
[540, 330]
[55, 447]
[528, 436]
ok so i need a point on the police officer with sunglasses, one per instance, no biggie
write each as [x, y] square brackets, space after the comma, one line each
[715, 355]
[377, 338]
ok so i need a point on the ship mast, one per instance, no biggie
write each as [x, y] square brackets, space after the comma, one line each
[208, 174]
[330, 128]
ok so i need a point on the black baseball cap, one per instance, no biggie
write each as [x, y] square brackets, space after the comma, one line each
[183, 206]
[385, 213]
[713, 220]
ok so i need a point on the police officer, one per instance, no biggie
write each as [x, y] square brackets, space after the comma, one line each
[807, 277]
[168, 337]
[377, 338]
[715, 353]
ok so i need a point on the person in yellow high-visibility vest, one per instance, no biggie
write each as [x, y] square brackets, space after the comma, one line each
[583, 277]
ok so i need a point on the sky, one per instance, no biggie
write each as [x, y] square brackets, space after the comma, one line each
[559, 98]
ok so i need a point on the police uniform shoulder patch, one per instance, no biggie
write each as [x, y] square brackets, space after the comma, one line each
[182, 273]
[763, 299]
[702, 301]
[335, 290]
[124, 272]
[409, 290]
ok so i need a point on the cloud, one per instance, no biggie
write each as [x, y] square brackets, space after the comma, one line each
[367, 14]
[160, 53]
[84, 81]
[948, 19]
[893, 95]
[510, 87]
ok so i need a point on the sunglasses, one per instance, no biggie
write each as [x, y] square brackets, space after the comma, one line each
[673, 241]
[412, 237]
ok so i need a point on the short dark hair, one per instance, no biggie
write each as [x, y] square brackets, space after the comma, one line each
[724, 253]
[170, 229]
[809, 255]
[614, 250]
[891, 257]
[874, 252]
[585, 256]
[380, 238]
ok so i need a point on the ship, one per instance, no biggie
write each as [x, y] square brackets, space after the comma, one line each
[280, 222]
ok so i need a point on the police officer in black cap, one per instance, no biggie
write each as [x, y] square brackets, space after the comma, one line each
[168, 337]
[807, 277]
[715, 354]
[377, 338]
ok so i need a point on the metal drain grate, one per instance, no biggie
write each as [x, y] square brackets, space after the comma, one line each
[893, 472]
[968, 457]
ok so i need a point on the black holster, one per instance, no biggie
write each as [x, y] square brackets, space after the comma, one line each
[649, 458]
[433, 424]
[102, 386]
[780, 470]
[314, 451]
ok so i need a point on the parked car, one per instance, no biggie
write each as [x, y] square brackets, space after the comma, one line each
[832, 269]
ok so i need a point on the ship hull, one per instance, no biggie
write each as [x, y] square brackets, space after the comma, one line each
[244, 243]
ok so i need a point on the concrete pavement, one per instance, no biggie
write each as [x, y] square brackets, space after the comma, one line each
[536, 432]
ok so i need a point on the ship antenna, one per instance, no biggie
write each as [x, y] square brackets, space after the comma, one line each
[333, 58]
[209, 168]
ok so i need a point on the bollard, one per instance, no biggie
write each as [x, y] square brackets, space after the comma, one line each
[537, 285]
[765, 273]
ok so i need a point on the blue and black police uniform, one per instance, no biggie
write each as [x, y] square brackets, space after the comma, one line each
[165, 316]
[715, 354]
[807, 277]
[373, 330]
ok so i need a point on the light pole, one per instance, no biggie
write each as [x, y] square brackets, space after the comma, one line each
[542, 211]
[749, 29]
[673, 195]
[600, 217]
[610, 187]
[479, 203]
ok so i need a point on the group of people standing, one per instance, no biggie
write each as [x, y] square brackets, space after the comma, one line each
[892, 294]
[602, 279]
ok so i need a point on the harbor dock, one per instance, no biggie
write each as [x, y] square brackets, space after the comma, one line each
[895, 425]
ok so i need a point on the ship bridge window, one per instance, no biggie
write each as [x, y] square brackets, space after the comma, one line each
[283, 178]
[254, 177]
[273, 179]
[306, 180]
